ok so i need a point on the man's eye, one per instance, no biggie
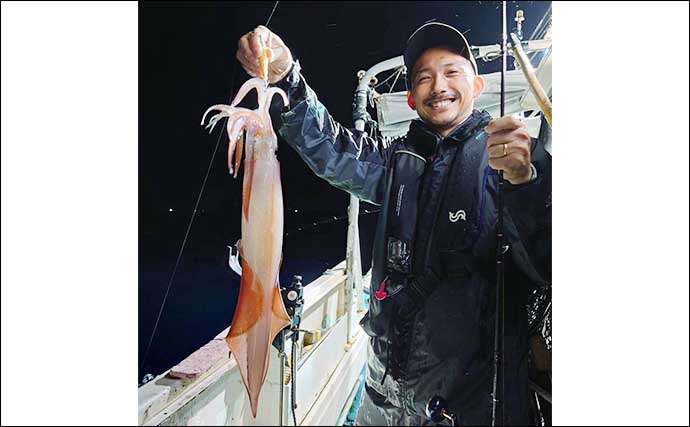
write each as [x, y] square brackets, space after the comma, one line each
[421, 79]
[453, 72]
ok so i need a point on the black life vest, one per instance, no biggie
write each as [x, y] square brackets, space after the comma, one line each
[434, 208]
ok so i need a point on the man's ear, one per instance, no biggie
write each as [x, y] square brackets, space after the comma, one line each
[410, 100]
[478, 86]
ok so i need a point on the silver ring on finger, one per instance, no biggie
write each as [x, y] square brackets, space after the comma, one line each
[505, 149]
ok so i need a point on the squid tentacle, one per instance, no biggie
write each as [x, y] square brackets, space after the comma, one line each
[268, 96]
[226, 110]
[254, 83]
[245, 120]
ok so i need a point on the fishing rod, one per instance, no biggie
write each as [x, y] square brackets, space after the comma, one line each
[531, 77]
[500, 268]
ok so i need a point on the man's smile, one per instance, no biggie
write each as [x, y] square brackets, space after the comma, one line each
[440, 104]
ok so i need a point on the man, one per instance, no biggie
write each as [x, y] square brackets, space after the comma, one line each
[431, 316]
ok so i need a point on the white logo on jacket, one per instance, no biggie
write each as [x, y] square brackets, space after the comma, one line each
[454, 217]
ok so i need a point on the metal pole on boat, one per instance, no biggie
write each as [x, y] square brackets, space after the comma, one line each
[353, 255]
[354, 264]
[281, 383]
[353, 268]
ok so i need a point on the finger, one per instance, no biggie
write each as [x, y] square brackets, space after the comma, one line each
[276, 41]
[264, 31]
[254, 44]
[497, 151]
[508, 148]
[244, 51]
[247, 57]
[249, 65]
[269, 40]
[252, 70]
[517, 135]
[241, 56]
[262, 34]
[507, 163]
[273, 40]
[503, 123]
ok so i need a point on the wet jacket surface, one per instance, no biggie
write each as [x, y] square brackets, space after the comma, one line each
[433, 334]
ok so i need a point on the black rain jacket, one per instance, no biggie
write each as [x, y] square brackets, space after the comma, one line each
[437, 339]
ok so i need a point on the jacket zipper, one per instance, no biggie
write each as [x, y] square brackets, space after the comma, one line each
[437, 208]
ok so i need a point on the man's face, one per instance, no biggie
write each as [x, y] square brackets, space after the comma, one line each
[444, 87]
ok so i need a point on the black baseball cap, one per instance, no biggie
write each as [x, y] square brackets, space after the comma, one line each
[434, 34]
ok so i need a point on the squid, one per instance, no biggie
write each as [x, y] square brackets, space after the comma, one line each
[260, 314]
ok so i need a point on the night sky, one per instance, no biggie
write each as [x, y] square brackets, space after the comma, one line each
[186, 62]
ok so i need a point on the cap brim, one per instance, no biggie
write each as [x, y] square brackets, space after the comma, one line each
[436, 34]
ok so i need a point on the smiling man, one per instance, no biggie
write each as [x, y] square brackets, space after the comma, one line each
[432, 310]
[444, 88]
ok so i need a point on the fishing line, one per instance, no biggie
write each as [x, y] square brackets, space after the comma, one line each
[189, 227]
[271, 15]
[196, 206]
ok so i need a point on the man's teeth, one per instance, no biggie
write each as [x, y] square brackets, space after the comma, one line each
[441, 103]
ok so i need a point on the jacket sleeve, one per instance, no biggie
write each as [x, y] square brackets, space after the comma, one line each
[529, 206]
[348, 159]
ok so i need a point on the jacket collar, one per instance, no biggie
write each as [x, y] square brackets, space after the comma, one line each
[425, 138]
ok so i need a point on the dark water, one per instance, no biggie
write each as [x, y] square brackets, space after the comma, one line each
[203, 295]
